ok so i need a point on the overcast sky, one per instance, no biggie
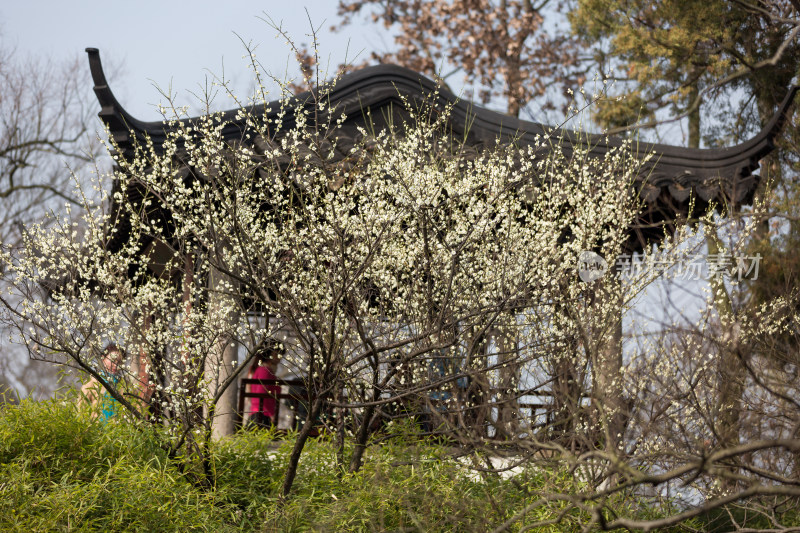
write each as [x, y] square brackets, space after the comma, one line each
[147, 42]
[175, 42]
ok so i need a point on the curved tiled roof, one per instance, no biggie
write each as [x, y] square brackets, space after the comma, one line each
[667, 183]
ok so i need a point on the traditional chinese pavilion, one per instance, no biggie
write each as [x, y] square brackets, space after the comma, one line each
[670, 183]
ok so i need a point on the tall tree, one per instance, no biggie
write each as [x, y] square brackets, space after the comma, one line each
[509, 50]
[46, 128]
[503, 47]
[689, 59]
[677, 55]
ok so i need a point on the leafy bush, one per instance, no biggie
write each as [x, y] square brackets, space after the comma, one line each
[63, 469]
[249, 471]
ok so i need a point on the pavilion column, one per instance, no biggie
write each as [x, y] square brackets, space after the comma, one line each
[608, 391]
[477, 409]
[508, 385]
[222, 362]
[141, 369]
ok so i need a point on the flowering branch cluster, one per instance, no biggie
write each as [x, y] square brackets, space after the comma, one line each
[408, 246]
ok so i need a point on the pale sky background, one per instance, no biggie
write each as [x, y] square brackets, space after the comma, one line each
[147, 42]
[177, 42]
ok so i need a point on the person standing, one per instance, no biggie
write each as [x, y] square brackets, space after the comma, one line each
[263, 410]
[110, 371]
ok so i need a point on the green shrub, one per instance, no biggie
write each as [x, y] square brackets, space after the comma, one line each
[62, 434]
[61, 469]
[410, 485]
[64, 470]
[249, 472]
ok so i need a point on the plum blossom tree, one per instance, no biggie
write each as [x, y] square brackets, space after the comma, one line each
[387, 265]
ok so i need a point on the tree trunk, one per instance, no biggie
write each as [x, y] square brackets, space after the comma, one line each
[361, 439]
[224, 423]
[476, 397]
[299, 444]
[729, 367]
[222, 363]
[694, 119]
[340, 430]
[566, 392]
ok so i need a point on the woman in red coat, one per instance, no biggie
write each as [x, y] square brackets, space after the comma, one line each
[263, 410]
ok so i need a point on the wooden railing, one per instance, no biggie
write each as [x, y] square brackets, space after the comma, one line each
[293, 384]
[298, 394]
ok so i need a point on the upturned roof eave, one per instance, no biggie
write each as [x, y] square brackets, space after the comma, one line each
[381, 85]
